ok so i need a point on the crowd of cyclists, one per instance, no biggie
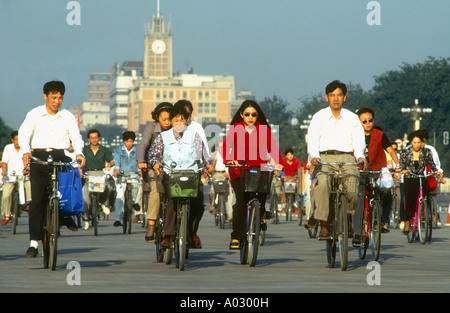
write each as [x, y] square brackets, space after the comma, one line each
[174, 138]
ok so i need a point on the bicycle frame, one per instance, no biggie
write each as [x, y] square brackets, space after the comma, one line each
[417, 218]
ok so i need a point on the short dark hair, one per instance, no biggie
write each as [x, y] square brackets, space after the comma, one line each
[365, 110]
[179, 109]
[92, 131]
[415, 134]
[187, 103]
[423, 133]
[288, 151]
[162, 107]
[54, 86]
[14, 134]
[128, 135]
[334, 85]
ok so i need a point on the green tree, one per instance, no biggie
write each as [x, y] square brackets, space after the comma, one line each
[429, 82]
[5, 134]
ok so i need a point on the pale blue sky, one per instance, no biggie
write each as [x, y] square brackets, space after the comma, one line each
[291, 48]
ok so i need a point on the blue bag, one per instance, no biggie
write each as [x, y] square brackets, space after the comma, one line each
[70, 189]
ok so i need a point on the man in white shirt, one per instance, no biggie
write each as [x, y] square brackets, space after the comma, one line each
[46, 131]
[335, 134]
[12, 166]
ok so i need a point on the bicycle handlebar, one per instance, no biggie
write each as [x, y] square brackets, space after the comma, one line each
[54, 163]
[340, 163]
[420, 176]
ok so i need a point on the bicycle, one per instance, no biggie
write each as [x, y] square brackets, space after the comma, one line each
[434, 207]
[16, 206]
[290, 189]
[132, 183]
[276, 185]
[50, 225]
[256, 181]
[96, 181]
[420, 224]
[184, 186]
[371, 222]
[338, 220]
[221, 187]
[395, 209]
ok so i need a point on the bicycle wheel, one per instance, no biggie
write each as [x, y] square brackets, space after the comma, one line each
[222, 213]
[15, 208]
[375, 228]
[94, 213]
[412, 233]
[342, 231]
[182, 237]
[53, 232]
[127, 214]
[274, 208]
[244, 252]
[253, 233]
[288, 208]
[422, 221]
[159, 237]
[395, 212]
[434, 212]
[362, 249]
[46, 235]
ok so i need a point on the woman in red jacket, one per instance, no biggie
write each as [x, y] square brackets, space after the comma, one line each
[249, 138]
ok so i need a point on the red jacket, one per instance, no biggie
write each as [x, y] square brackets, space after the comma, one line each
[255, 147]
[377, 157]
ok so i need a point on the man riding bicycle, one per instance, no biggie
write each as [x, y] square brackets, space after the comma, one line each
[335, 134]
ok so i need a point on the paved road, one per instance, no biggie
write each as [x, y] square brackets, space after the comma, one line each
[288, 262]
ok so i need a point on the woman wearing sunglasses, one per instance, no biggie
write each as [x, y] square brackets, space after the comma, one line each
[249, 138]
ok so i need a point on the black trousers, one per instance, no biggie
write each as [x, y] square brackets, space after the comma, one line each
[411, 189]
[240, 209]
[39, 178]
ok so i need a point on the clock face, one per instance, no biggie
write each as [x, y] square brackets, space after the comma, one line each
[158, 46]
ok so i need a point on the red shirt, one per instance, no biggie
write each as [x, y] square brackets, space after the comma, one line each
[291, 169]
[254, 147]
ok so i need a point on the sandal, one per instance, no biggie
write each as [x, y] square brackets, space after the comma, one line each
[234, 244]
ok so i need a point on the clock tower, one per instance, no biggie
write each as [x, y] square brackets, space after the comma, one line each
[158, 49]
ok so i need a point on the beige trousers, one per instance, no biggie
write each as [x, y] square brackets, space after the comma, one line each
[321, 192]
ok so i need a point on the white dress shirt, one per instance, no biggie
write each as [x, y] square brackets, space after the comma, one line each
[13, 159]
[345, 133]
[41, 130]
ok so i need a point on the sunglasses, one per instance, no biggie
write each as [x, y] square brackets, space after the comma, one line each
[253, 114]
[366, 121]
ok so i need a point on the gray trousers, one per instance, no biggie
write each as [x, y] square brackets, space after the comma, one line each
[321, 192]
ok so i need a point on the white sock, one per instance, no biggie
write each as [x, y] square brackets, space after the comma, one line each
[34, 244]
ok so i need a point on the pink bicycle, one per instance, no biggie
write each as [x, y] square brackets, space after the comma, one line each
[420, 224]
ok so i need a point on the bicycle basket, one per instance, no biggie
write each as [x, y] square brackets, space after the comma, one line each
[184, 184]
[290, 187]
[221, 185]
[257, 180]
[96, 181]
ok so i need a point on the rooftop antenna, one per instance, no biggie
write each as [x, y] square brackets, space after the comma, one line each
[157, 8]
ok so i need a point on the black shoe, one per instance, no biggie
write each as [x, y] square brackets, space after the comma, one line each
[356, 242]
[150, 238]
[136, 207]
[117, 224]
[69, 223]
[269, 215]
[31, 252]
[312, 223]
